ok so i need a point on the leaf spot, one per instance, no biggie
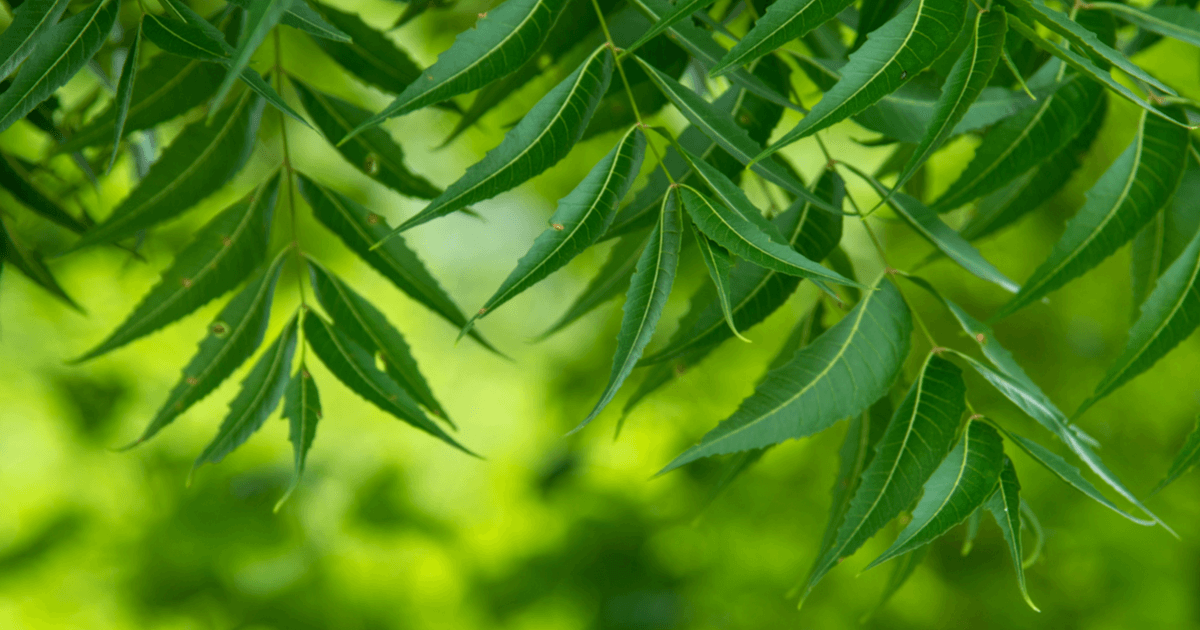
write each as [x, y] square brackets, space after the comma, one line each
[192, 380]
[371, 164]
[557, 226]
[903, 74]
[980, 338]
[482, 311]
[372, 218]
[186, 282]
[219, 329]
[937, 350]
[226, 241]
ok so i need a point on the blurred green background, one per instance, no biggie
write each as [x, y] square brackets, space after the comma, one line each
[391, 529]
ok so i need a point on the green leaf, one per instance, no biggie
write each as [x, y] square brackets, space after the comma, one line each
[1185, 460]
[1181, 23]
[1160, 243]
[354, 366]
[502, 40]
[360, 228]
[31, 264]
[125, 93]
[1024, 141]
[967, 80]
[893, 54]
[223, 253]
[1005, 506]
[648, 291]
[581, 218]
[717, 125]
[607, 283]
[302, 17]
[302, 408]
[972, 529]
[919, 435]
[839, 374]
[261, 17]
[719, 263]
[22, 190]
[359, 320]
[1137, 185]
[262, 389]
[758, 292]
[543, 137]
[783, 21]
[681, 10]
[744, 239]
[372, 152]
[59, 53]
[232, 337]
[369, 55]
[1169, 315]
[727, 193]
[30, 20]
[199, 161]
[961, 483]
[1083, 39]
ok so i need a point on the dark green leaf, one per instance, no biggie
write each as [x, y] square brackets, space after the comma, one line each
[1137, 185]
[581, 218]
[961, 483]
[648, 291]
[972, 529]
[681, 10]
[362, 322]
[354, 366]
[31, 264]
[302, 408]
[1005, 506]
[607, 284]
[719, 263]
[919, 435]
[199, 161]
[232, 337]
[360, 228]
[125, 93]
[839, 374]
[784, 21]
[543, 137]
[1185, 460]
[302, 17]
[261, 392]
[1181, 23]
[222, 254]
[261, 17]
[370, 56]
[60, 52]
[22, 190]
[1160, 243]
[373, 151]
[30, 20]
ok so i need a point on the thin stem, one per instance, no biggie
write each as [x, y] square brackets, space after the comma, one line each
[289, 172]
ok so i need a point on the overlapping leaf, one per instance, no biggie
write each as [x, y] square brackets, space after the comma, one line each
[1178, 22]
[125, 93]
[783, 21]
[300, 16]
[1160, 243]
[681, 10]
[368, 54]
[30, 20]
[1005, 506]
[606, 284]
[30, 263]
[302, 408]
[261, 17]
[22, 190]
[719, 263]
[839, 374]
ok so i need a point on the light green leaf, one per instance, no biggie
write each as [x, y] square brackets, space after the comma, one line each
[372, 152]
[1185, 460]
[360, 228]
[1018, 144]
[370, 55]
[839, 374]
[681, 10]
[893, 54]
[261, 17]
[1169, 315]
[232, 337]
[197, 163]
[262, 389]
[744, 239]
[783, 21]
[1180, 22]
[501, 41]
[543, 137]
[19, 186]
[354, 366]
[648, 291]
[1005, 506]
[1136, 186]
[125, 93]
[359, 320]
[302, 17]
[59, 52]
[30, 20]
[961, 483]
[223, 253]
[581, 218]
[606, 284]
[302, 408]
[919, 435]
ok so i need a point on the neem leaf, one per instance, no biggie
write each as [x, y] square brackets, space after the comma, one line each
[125, 93]
[606, 284]
[354, 366]
[31, 264]
[18, 185]
[783, 21]
[360, 228]
[220, 256]
[261, 392]
[961, 483]
[232, 337]
[199, 161]
[839, 374]
[1160, 243]
[302, 17]
[30, 20]
[918, 437]
[302, 408]
[1137, 185]
[261, 17]
[719, 263]
[1005, 506]
[1185, 460]
[372, 152]
[501, 41]
[543, 137]
[648, 291]
[681, 10]
[582, 217]
[370, 55]
[59, 53]
[894, 54]
[1179, 22]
